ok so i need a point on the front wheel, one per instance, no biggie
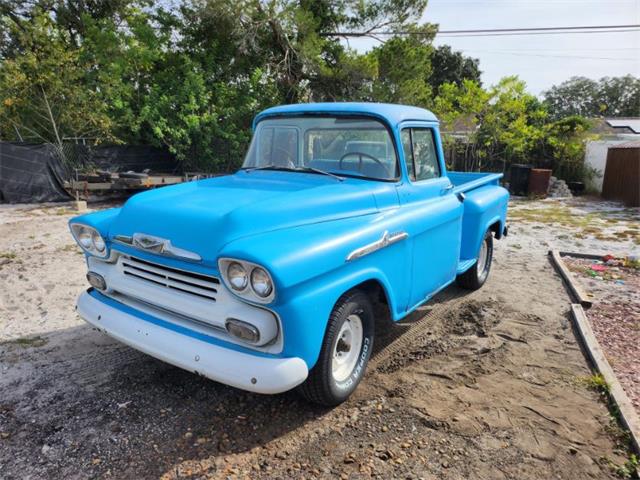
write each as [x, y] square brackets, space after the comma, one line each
[475, 277]
[345, 351]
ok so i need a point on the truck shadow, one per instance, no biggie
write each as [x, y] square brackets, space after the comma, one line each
[75, 400]
[388, 333]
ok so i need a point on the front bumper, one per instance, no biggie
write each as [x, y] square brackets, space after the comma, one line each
[254, 373]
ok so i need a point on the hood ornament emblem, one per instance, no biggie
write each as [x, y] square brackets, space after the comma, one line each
[148, 242]
[160, 246]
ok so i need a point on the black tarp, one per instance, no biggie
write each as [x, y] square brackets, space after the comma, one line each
[31, 173]
[124, 158]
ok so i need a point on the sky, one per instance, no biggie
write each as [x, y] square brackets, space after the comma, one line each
[540, 60]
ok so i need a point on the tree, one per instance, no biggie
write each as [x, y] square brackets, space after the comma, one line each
[43, 94]
[609, 96]
[403, 66]
[448, 66]
[503, 123]
[191, 78]
[562, 148]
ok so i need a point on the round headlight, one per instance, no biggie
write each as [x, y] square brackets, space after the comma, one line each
[261, 283]
[84, 238]
[98, 242]
[237, 276]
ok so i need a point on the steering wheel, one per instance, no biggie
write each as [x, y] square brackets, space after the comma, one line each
[362, 155]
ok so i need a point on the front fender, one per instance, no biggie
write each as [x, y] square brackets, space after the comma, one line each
[100, 220]
[310, 271]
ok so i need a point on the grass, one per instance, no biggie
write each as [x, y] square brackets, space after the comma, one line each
[8, 255]
[593, 224]
[597, 383]
[628, 470]
[27, 342]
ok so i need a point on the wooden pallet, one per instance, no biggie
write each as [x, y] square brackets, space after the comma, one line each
[123, 183]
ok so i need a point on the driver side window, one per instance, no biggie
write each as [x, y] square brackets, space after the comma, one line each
[278, 146]
[420, 153]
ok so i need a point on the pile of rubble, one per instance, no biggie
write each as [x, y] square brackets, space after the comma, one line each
[558, 189]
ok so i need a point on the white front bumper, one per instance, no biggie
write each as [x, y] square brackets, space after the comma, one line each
[242, 370]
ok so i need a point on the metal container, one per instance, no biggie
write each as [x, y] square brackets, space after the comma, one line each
[539, 181]
[519, 179]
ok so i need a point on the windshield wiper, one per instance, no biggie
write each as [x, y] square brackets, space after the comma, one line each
[294, 169]
[271, 166]
[317, 170]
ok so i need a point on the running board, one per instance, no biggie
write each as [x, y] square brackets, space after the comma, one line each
[465, 265]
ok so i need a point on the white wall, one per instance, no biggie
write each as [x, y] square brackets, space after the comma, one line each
[596, 155]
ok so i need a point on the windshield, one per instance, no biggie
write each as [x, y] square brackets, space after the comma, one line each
[349, 146]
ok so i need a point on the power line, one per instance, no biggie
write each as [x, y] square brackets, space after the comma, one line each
[564, 50]
[549, 55]
[531, 33]
[498, 31]
[539, 29]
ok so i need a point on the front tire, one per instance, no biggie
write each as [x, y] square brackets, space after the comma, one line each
[475, 277]
[345, 351]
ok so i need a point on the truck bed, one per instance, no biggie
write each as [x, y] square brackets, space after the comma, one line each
[466, 181]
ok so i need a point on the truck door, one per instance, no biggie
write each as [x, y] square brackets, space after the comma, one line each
[434, 212]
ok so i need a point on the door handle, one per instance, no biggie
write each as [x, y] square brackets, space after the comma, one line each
[447, 189]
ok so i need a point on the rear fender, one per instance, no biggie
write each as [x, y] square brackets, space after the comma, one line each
[483, 207]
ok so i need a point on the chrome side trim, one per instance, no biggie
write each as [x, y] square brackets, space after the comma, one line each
[386, 240]
[125, 239]
[161, 246]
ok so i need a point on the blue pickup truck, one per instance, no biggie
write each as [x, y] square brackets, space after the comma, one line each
[266, 279]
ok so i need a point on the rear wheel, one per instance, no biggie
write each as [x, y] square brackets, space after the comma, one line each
[475, 277]
[345, 351]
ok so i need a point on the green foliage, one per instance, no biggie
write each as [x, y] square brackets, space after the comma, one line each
[448, 66]
[504, 124]
[191, 78]
[597, 383]
[607, 97]
[403, 67]
[563, 148]
[43, 94]
[501, 124]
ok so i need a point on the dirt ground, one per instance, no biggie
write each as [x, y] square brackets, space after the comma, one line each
[487, 385]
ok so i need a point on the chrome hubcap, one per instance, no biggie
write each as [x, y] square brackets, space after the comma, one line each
[347, 348]
[482, 258]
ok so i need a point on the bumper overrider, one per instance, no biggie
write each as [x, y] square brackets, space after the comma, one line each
[191, 350]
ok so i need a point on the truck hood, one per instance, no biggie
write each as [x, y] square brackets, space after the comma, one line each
[204, 216]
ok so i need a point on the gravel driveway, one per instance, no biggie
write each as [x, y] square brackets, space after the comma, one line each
[484, 385]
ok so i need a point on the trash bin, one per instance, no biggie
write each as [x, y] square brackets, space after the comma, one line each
[519, 179]
[577, 188]
[539, 181]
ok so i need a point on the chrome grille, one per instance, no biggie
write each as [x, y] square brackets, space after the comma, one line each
[196, 284]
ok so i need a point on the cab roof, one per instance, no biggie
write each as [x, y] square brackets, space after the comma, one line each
[392, 113]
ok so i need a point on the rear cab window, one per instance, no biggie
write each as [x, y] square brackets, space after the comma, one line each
[420, 154]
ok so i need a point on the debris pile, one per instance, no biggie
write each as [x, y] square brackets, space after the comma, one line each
[558, 188]
[612, 268]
